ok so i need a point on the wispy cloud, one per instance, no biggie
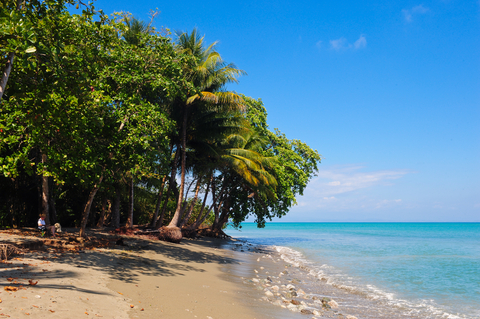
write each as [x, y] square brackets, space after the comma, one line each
[319, 44]
[360, 43]
[337, 188]
[339, 44]
[349, 178]
[343, 44]
[417, 10]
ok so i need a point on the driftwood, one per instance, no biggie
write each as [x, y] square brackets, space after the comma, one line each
[147, 232]
[8, 250]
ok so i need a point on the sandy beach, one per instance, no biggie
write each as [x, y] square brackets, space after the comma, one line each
[143, 279]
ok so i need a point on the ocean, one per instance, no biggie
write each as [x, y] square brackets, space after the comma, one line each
[415, 270]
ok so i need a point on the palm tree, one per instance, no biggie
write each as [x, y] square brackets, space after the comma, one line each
[209, 76]
[135, 28]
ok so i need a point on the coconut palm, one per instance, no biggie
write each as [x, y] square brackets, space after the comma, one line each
[209, 76]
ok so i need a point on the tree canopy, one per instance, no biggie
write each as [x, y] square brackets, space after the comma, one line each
[97, 108]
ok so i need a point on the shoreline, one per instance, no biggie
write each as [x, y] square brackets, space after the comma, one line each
[201, 278]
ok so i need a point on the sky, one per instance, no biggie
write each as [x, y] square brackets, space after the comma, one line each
[387, 91]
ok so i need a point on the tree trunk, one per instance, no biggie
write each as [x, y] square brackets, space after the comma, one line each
[8, 65]
[6, 74]
[159, 202]
[45, 194]
[199, 220]
[51, 201]
[171, 185]
[88, 206]
[130, 205]
[101, 219]
[223, 218]
[53, 209]
[192, 205]
[175, 219]
[116, 206]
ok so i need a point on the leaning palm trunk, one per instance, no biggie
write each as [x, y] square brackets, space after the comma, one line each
[187, 216]
[176, 216]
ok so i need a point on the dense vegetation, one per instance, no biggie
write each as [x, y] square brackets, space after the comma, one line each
[106, 121]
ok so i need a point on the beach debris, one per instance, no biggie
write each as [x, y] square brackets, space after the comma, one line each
[293, 308]
[131, 306]
[38, 296]
[10, 288]
[306, 312]
[31, 283]
[317, 313]
[256, 271]
[268, 293]
[333, 304]
[350, 317]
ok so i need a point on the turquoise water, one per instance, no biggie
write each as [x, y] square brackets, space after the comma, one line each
[431, 268]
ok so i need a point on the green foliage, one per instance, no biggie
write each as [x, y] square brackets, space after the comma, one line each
[94, 101]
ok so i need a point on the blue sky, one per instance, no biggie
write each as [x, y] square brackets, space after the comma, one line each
[388, 92]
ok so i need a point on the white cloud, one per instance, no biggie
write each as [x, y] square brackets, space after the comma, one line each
[417, 10]
[319, 44]
[338, 44]
[346, 188]
[360, 43]
[342, 44]
[345, 179]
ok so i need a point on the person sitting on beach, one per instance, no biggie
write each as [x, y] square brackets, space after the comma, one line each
[42, 227]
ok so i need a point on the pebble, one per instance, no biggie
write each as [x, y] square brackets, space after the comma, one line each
[306, 312]
[333, 304]
[317, 313]
[269, 293]
[351, 317]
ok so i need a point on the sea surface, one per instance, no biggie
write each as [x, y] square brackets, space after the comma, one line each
[423, 270]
